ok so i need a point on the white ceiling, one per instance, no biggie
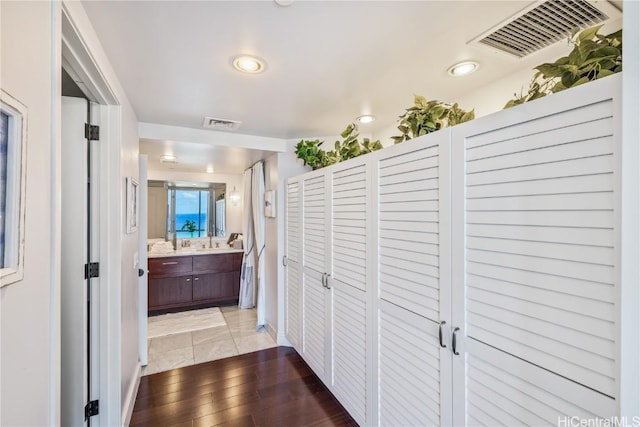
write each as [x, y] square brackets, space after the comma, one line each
[196, 157]
[327, 61]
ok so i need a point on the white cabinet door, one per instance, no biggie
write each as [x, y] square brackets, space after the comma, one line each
[411, 208]
[535, 250]
[293, 288]
[315, 295]
[349, 254]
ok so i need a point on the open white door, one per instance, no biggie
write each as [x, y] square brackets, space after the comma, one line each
[78, 289]
[142, 260]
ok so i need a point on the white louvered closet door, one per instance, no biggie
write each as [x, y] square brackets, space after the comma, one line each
[348, 282]
[413, 276]
[315, 296]
[535, 242]
[293, 253]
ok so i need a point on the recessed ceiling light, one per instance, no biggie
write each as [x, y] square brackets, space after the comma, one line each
[168, 158]
[248, 64]
[365, 118]
[463, 68]
[283, 3]
[209, 169]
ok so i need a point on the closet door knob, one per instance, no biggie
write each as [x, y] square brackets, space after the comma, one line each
[454, 341]
[284, 261]
[326, 281]
[442, 344]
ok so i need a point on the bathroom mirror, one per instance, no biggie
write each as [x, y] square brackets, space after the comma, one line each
[192, 209]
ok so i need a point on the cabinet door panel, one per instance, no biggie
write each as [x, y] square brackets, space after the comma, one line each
[294, 312]
[170, 290]
[505, 390]
[215, 286]
[414, 371]
[535, 261]
[314, 225]
[314, 322]
[409, 227]
[350, 362]
[349, 255]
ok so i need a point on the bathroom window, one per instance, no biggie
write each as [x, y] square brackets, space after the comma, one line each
[13, 122]
[191, 211]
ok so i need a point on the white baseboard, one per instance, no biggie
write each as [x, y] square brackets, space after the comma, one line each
[131, 397]
[272, 332]
[282, 340]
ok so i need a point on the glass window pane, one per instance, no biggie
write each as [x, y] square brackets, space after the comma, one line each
[204, 211]
[4, 144]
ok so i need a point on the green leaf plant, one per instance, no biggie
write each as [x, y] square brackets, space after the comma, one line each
[429, 116]
[189, 226]
[313, 155]
[593, 56]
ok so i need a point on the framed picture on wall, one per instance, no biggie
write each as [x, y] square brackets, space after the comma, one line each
[132, 205]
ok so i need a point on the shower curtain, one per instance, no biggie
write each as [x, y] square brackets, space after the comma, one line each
[252, 285]
[246, 298]
[257, 190]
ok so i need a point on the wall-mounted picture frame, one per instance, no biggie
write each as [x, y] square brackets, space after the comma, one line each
[13, 170]
[132, 205]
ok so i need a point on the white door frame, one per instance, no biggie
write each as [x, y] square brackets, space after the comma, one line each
[82, 66]
[143, 288]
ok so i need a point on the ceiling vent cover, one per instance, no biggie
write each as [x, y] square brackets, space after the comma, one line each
[221, 124]
[544, 24]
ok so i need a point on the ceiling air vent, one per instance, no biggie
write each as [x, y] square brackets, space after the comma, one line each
[220, 124]
[543, 24]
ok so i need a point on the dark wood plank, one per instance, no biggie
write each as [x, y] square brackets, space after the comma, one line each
[272, 387]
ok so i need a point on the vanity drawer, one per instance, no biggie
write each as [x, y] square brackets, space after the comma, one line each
[217, 263]
[170, 265]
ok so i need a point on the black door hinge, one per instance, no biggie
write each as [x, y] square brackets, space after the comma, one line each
[92, 408]
[91, 132]
[92, 270]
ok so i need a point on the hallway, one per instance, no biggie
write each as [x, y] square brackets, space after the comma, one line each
[272, 387]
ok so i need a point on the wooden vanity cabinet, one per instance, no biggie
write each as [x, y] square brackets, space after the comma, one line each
[190, 281]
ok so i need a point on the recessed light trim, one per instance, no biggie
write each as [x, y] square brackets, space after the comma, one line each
[248, 64]
[210, 169]
[168, 158]
[463, 68]
[366, 118]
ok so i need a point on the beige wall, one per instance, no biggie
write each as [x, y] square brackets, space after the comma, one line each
[29, 326]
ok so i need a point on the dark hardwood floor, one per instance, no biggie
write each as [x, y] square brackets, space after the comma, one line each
[273, 387]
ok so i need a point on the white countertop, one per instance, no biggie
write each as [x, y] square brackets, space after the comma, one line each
[194, 252]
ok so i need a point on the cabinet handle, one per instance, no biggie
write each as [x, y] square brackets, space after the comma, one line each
[324, 276]
[442, 344]
[454, 341]
[195, 278]
[188, 280]
[170, 263]
[284, 261]
[326, 280]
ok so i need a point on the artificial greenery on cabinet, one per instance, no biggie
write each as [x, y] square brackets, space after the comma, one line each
[593, 56]
[429, 116]
[313, 155]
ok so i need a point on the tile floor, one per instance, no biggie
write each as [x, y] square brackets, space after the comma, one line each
[238, 336]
